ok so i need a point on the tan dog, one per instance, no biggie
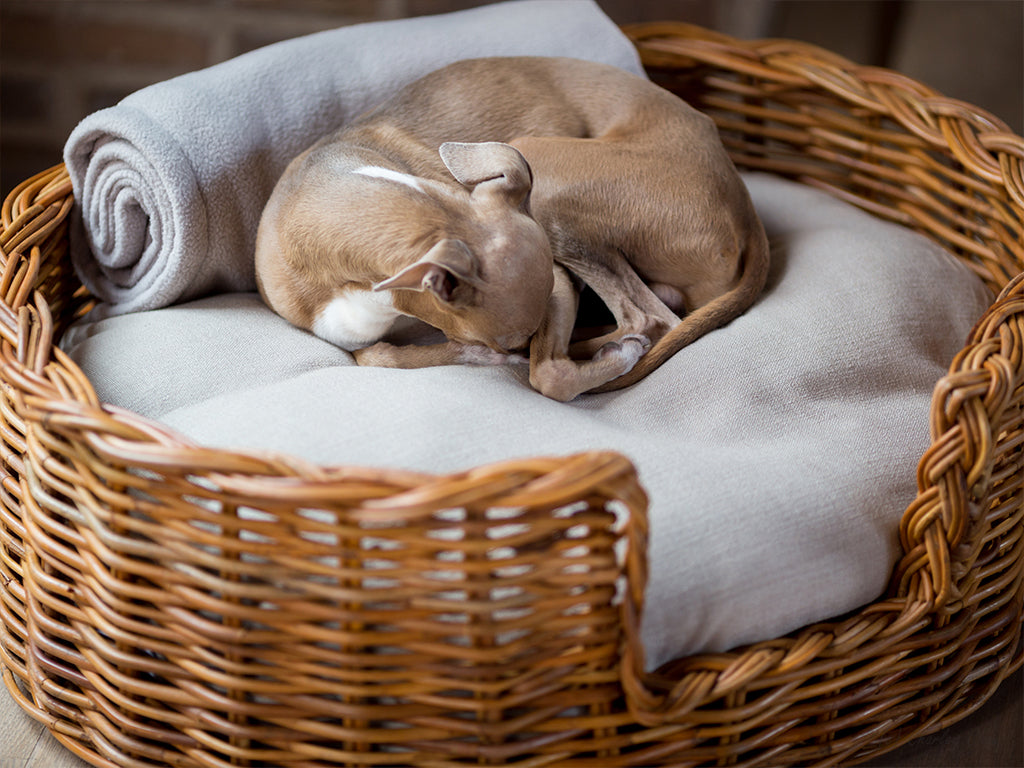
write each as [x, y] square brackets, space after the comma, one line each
[426, 207]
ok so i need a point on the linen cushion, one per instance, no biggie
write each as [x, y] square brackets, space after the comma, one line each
[778, 452]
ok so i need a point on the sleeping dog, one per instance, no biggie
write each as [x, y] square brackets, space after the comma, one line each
[482, 197]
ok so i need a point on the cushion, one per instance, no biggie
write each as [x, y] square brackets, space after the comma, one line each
[779, 452]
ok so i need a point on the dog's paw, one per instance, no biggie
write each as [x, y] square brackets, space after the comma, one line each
[627, 350]
[478, 354]
[642, 341]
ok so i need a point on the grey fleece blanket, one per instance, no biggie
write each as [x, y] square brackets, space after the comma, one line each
[170, 183]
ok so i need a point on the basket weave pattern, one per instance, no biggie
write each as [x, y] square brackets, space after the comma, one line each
[164, 604]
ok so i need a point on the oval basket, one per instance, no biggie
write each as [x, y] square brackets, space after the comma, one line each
[164, 604]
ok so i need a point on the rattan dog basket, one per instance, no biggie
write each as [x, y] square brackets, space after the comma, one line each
[166, 604]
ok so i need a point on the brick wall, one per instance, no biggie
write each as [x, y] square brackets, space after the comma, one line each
[62, 59]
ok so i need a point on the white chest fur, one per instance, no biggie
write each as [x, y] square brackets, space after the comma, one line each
[356, 318]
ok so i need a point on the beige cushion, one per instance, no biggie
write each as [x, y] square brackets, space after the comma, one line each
[778, 452]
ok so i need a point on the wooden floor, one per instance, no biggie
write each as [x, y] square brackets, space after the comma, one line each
[993, 737]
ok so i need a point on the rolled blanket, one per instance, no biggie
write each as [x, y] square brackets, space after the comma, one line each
[170, 183]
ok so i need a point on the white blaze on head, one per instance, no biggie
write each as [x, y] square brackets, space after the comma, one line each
[376, 172]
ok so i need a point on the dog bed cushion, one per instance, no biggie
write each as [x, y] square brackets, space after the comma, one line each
[778, 452]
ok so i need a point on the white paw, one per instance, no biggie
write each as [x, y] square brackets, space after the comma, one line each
[626, 351]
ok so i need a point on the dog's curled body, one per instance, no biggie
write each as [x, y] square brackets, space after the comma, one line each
[480, 197]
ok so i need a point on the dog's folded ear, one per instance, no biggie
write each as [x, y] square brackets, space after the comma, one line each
[489, 166]
[440, 271]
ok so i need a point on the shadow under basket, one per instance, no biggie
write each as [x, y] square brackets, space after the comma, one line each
[164, 604]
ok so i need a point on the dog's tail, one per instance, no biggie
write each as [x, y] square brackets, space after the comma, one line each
[714, 314]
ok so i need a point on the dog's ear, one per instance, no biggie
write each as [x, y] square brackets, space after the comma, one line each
[440, 271]
[489, 166]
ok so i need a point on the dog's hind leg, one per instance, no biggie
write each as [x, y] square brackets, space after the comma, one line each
[638, 311]
[552, 372]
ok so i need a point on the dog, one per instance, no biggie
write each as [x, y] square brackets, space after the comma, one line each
[483, 197]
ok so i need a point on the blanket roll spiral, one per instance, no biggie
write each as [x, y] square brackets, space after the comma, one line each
[170, 183]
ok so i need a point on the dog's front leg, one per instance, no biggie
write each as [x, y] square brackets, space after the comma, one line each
[552, 372]
[385, 355]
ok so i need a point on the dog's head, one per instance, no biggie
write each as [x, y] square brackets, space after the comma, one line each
[488, 279]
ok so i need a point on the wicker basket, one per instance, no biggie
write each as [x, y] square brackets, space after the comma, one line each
[166, 604]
